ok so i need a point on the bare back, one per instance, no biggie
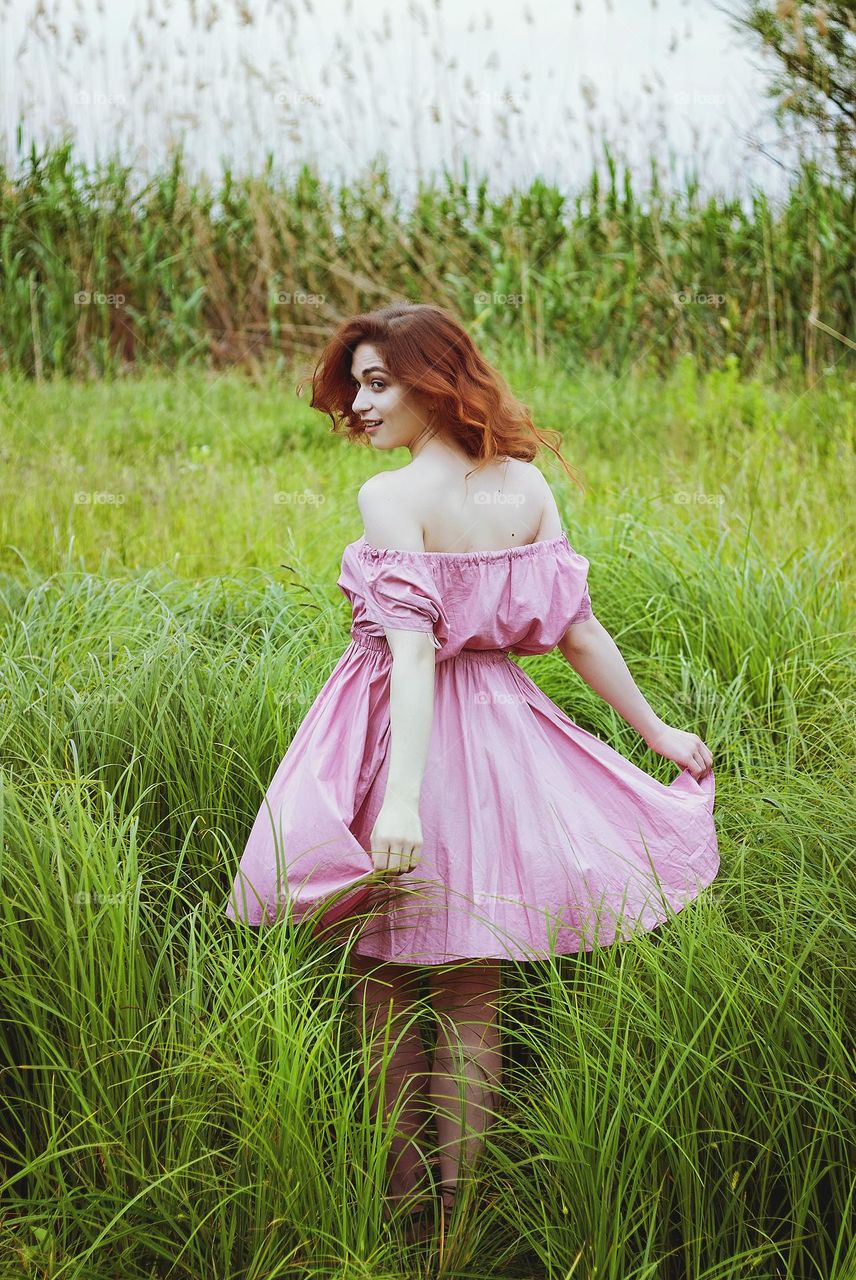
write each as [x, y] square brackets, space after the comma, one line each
[503, 505]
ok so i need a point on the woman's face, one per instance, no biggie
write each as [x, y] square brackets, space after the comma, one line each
[378, 399]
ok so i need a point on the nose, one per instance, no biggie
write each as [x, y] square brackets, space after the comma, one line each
[361, 401]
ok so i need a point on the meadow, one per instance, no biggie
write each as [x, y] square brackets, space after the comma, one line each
[182, 1097]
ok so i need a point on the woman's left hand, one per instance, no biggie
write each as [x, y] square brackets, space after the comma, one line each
[686, 749]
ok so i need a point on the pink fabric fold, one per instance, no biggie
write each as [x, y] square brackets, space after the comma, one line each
[538, 836]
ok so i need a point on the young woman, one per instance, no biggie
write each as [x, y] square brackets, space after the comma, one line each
[432, 781]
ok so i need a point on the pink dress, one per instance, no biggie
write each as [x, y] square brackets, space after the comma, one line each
[538, 837]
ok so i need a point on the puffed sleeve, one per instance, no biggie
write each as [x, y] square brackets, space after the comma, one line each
[390, 588]
[585, 610]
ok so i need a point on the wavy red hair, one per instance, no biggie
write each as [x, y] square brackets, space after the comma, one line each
[431, 354]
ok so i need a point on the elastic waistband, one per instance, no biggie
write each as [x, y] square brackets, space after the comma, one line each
[477, 655]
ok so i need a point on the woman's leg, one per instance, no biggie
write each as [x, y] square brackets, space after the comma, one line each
[467, 1062]
[385, 995]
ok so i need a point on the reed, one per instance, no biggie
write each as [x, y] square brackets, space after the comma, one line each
[104, 271]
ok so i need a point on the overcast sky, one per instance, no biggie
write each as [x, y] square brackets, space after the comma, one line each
[516, 89]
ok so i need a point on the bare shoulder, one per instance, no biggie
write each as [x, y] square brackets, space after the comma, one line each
[550, 525]
[526, 475]
[390, 518]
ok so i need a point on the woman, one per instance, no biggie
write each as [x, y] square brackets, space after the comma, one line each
[432, 780]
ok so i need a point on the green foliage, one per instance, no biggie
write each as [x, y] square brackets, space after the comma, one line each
[814, 50]
[185, 1097]
[102, 273]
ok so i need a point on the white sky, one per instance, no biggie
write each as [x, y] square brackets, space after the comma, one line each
[421, 82]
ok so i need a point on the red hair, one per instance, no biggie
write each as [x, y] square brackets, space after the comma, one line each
[431, 354]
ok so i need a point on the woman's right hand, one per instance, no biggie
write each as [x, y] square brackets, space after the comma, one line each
[396, 838]
[686, 749]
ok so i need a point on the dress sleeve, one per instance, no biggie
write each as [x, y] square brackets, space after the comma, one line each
[585, 610]
[394, 590]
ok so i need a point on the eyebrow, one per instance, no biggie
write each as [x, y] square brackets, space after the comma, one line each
[371, 368]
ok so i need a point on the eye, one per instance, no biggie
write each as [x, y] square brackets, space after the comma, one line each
[374, 382]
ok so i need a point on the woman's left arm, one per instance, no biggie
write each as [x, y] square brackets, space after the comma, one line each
[591, 651]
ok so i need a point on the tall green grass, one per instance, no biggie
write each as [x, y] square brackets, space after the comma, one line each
[102, 270]
[183, 1097]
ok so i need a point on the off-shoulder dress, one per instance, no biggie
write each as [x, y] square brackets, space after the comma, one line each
[538, 836]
